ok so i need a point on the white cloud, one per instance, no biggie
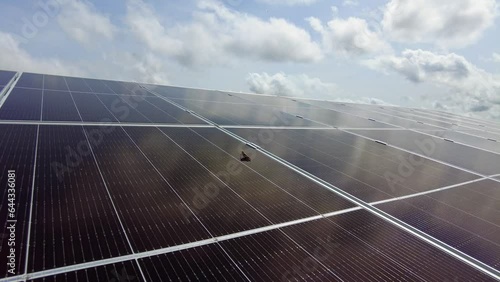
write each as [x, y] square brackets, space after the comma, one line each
[496, 57]
[288, 2]
[80, 20]
[350, 36]
[217, 34]
[301, 86]
[469, 89]
[447, 23]
[17, 59]
[290, 85]
[350, 3]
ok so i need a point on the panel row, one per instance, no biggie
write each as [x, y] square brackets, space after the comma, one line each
[352, 247]
[49, 105]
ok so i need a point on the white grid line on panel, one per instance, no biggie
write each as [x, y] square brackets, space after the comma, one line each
[4, 94]
[31, 201]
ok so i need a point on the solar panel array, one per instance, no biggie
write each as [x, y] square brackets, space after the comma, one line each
[119, 181]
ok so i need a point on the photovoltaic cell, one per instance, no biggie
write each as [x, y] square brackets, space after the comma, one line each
[73, 217]
[244, 114]
[205, 263]
[461, 217]
[348, 108]
[455, 154]
[271, 256]
[30, 80]
[150, 111]
[77, 84]
[17, 152]
[91, 108]
[146, 203]
[98, 86]
[195, 94]
[123, 271]
[179, 115]
[122, 110]
[365, 169]
[360, 246]
[313, 195]
[59, 106]
[22, 104]
[6, 76]
[53, 82]
[467, 139]
[257, 197]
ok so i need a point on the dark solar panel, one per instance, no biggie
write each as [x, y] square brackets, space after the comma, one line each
[359, 246]
[17, 153]
[365, 169]
[30, 80]
[263, 199]
[121, 110]
[77, 84]
[459, 155]
[91, 108]
[22, 104]
[205, 263]
[52, 82]
[73, 216]
[145, 201]
[313, 195]
[6, 76]
[462, 217]
[59, 106]
[244, 114]
[98, 86]
[118, 272]
[370, 114]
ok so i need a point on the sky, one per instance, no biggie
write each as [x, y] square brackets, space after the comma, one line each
[442, 55]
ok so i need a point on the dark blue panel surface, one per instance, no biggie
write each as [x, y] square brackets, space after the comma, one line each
[6, 76]
[179, 115]
[91, 108]
[73, 217]
[244, 114]
[53, 82]
[98, 86]
[77, 84]
[17, 152]
[122, 110]
[22, 104]
[59, 106]
[30, 80]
